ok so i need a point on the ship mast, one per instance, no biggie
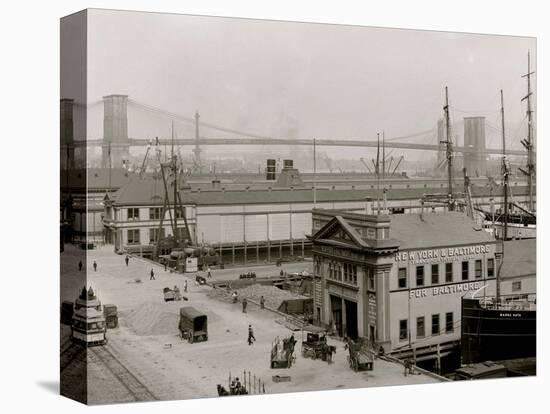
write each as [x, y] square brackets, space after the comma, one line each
[505, 171]
[175, 172]
[528, 143]
[448, 152]
[505, 174]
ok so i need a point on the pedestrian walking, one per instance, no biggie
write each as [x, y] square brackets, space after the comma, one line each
[251, 337]
[127, 259]
[209, 273]
[95, 266]
[245, 302]
[262, 302]
[165, 265]
[281, 273]
[185, 285]
[152, 275]
[80, 265]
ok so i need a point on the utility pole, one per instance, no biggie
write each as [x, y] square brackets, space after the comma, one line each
[449, 151]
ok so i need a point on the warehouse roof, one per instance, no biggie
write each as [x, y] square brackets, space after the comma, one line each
[415, 231]
[95, 178]
[143, 191]
[147, 191]
[520, 258]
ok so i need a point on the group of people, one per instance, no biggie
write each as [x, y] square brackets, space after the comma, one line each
[80, 265]
[236, 388]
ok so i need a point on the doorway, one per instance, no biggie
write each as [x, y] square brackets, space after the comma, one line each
[351, 319]
[336, 311]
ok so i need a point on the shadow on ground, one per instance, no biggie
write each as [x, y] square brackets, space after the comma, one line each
[51, 386]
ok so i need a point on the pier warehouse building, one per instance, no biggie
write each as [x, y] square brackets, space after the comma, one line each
[398, 280]
[250, 222]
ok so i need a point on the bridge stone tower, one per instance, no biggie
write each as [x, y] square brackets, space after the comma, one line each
[474, 137]
[66, 132]
[116, 147]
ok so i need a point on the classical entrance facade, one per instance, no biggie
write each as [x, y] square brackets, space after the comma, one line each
[400, 289]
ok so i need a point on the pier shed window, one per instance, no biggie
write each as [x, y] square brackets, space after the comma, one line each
[154, 213]
[154, 235]
[448, 272]
[133, 236]
[370, 279]
[516, 286]
[420, 327]
[491, 267]
[350, 273]
[465, 270]
[435, 274]
[133, 214]
[402, 278]
[335, 271]
[419, 275]
[319, 267]
[449, 324]
[435, 324]
[180, 213]
[338, 272]
[403, 330]
[479, 269]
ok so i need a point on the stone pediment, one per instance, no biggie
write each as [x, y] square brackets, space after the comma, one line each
[338, 230]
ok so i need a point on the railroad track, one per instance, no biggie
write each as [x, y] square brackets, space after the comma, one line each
[133, 385]
[70, 354]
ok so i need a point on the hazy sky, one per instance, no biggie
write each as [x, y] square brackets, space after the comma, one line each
[324, 81]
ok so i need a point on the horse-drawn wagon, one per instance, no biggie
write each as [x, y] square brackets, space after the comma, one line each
[359, 358]
[193, 325]
[315, 347]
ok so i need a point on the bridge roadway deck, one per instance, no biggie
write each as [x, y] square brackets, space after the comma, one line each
[137, 142]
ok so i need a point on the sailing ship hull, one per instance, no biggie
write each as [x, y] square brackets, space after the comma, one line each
[496, 334]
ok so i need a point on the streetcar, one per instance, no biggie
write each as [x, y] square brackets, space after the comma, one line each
[88, 325]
